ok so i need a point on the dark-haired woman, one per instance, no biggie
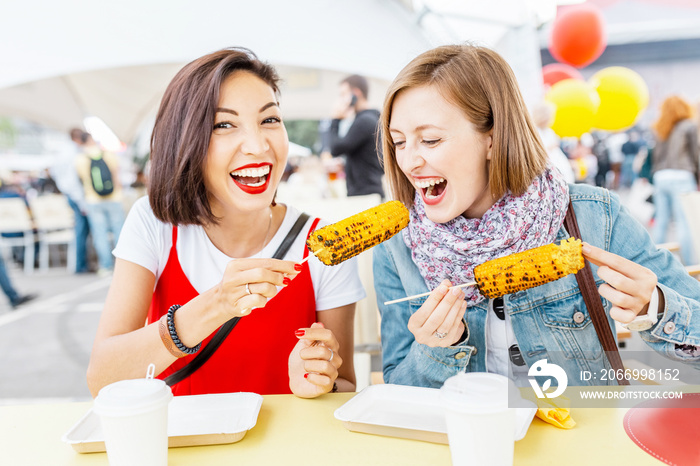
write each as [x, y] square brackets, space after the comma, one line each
[199, 251]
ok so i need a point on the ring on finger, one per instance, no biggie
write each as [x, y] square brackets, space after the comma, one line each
[332, 354]
[440, 335]
[247, 289]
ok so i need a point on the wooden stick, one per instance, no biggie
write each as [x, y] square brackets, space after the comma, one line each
[309, 256]
[425, 294]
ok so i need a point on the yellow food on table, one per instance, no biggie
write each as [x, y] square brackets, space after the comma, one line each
[347, 238]
[528, 269]
[556, 412]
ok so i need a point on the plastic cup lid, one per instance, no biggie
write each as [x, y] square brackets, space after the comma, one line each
[478, 392]
[128, 397]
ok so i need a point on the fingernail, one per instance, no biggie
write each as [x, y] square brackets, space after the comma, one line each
[286, 281]
[585, 248]
[300, 333]
[442, 289]
[456, 291]
[306, 375]
[297, 267]
[321, 324]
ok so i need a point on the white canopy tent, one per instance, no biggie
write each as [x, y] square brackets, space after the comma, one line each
[65, 60]
[507, 26]
[69, 59]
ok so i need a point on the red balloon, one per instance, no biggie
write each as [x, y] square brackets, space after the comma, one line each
[555, 72]
[578, 35]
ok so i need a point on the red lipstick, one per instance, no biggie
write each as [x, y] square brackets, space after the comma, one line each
[253, 189]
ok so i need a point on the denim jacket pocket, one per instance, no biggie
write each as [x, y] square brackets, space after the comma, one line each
[568, 324]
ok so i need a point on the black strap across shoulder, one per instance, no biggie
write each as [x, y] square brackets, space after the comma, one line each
[591, 297]
[216, 341]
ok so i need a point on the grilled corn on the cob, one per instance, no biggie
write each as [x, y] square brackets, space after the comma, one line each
[529, 268]
[339, 241]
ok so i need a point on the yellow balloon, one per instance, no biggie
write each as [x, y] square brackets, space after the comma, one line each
[577, 103]
[623, 97]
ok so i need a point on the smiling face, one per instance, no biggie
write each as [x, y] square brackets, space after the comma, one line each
[248, 146]
[441, 154]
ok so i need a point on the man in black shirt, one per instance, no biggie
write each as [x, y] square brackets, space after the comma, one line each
[363, 172]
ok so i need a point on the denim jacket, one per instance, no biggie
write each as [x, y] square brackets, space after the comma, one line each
[549, 321]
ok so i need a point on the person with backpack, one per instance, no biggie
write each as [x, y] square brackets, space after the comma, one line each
[99, 172]
[66, 177]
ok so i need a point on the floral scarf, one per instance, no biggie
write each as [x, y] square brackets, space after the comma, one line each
[451, 250]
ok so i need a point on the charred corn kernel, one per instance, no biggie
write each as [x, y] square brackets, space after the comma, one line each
[339, 241]
[529, 268]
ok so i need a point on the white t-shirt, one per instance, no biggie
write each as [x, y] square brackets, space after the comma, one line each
[502, 351]
[146, 241]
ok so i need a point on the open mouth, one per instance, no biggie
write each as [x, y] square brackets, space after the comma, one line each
[252, 179]
[432, 189]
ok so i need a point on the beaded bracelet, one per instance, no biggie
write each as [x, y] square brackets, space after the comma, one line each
[173, 332]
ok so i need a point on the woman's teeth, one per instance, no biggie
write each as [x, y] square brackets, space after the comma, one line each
[428, 183]
[250, 172]
[430, 186]
[253, 177]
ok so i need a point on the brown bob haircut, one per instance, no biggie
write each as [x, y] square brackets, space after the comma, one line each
[673, 109]
[479, 82]
[180, 138]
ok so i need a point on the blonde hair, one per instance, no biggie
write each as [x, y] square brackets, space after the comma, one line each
[479, 82]
[673, 110]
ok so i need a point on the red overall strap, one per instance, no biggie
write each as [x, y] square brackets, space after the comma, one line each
[253, 358]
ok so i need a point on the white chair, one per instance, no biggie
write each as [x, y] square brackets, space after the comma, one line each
[15, 218]
[54, 219]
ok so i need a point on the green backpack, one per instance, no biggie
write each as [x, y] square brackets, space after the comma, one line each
[100, 176]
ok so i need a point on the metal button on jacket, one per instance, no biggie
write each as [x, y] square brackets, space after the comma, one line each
[579, 317]
[669, 328]
[460, 355]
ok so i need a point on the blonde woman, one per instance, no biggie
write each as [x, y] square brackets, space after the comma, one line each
[675, 170]
[461, 151]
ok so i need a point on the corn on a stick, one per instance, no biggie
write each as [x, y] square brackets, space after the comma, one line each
[347, 238]
[523, 270]
[528, 269]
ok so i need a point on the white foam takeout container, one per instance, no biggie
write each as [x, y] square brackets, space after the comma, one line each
[192, 420]
[409, 412]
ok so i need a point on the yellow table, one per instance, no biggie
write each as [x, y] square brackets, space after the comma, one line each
[294, 431]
